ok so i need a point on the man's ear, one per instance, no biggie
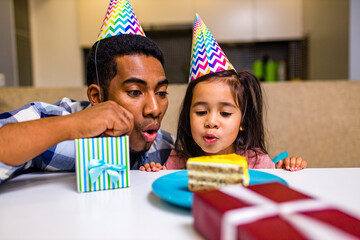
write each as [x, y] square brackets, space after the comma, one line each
[93, 93]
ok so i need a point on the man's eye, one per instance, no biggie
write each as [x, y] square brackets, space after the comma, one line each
[225, 114]
[200, 113]
[162, 94]
[134, 93]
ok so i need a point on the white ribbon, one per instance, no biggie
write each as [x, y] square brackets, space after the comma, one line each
[263, 207]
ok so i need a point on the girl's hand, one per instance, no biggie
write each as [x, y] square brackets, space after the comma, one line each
[291, 164]
[152, 167]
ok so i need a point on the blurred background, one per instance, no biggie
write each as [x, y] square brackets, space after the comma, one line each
[44, 43]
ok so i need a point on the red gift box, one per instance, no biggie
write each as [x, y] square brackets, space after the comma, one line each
[269, 211]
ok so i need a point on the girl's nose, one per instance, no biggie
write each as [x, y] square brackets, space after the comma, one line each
[211, 121]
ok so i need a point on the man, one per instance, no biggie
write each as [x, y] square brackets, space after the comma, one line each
[140, 86]
[131, 100]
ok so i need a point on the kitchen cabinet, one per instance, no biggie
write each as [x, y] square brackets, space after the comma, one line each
[278, 19]
[252, 20]
[228, 20]
[164, 12]
[90, 16]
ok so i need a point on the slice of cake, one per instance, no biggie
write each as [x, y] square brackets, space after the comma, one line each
[212, 172]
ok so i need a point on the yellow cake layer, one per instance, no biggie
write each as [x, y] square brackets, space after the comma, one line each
[220, 167]
[226, 158]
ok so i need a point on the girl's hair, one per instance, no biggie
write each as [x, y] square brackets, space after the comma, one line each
[247, 94]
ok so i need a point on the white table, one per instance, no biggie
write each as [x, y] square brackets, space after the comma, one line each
[47, 206]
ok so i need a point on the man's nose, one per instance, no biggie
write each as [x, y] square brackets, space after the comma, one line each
[152, 106]
[211, 120]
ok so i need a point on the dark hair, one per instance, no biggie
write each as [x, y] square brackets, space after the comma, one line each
[110, 48]
[247, 93]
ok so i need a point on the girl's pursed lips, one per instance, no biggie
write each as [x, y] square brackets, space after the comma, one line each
[210, 138]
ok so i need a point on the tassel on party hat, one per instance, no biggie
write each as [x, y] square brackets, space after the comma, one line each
[120, 19]
[206, 54]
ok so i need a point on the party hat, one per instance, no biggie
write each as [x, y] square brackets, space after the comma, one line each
[206, 54]
[120, 19]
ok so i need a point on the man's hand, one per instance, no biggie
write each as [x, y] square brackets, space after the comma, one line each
[291, 164]
[108, 117]
[152, 167]
[35, 137]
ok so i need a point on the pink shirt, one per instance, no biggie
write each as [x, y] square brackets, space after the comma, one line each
[263, 161]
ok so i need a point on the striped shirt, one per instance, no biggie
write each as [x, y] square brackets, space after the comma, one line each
[61, 157]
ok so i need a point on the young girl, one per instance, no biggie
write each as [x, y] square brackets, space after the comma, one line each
[222, 114]
[222, 111]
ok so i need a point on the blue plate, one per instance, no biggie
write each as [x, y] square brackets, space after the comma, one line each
[173, 187]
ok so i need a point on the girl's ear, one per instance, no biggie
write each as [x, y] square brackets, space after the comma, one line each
[93, 93]
[241, 128]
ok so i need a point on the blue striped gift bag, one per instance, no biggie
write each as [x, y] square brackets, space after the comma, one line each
[102, 163]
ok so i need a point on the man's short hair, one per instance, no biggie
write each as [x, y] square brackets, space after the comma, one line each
[110, 48]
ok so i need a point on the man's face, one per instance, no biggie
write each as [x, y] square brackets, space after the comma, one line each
[140, 86]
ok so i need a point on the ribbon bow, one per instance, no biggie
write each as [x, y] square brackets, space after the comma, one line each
[97, 167]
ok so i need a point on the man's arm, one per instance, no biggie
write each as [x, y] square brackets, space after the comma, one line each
[20, 142]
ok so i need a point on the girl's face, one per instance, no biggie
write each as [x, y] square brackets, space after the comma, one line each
[214, 117]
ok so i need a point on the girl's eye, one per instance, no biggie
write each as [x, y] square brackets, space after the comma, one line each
[200, 113]
[162, 94]
[225, 114]
[134, 93]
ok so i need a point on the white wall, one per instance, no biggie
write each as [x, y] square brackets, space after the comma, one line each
[354, 46]
[56, 55]
[8, 63]
[326, 24]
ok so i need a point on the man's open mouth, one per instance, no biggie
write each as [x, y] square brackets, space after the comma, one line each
[150, 135]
